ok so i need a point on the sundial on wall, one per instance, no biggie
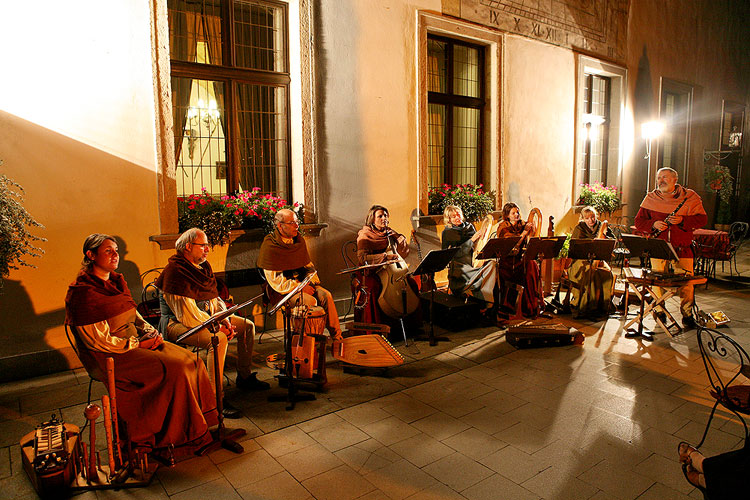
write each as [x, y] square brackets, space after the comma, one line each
[597, 26]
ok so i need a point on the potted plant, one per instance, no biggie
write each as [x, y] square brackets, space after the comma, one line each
[605, 199]
[217, 217]
[562, 261]
[16, 242]
[718, 179]
[473, 200]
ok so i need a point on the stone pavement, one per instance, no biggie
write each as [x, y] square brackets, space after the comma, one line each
[472, 418]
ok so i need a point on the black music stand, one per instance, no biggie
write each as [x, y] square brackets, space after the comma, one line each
[225, 438]
[434, 261]
[293, 395]
[543, 248]
[646, 248]
[498, 248]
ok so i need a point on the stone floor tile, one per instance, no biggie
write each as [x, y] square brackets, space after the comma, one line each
[510, 384]
[440, 425]
[446, 470]
[437, 491]
[616, 480]
[363, 414]
[5, 462]
[557, 482]
[308, 462]
[574, 460]
[338, 436]
[500, 401]
[249, 468]
[490, 488]
[341, 483]
[409, 411]
[219, 488]
[660, 492]
[525, 438]
[489, 420]
[188, 474]
[285, 441]
[665, 471]
[456, 405]
[474, 443]
[533, 415]
[421, 449]
[515, 464]
[400, 479]
[281, 486]
[330, 420]
[390, 430]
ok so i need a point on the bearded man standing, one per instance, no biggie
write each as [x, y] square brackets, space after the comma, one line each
[655, 214]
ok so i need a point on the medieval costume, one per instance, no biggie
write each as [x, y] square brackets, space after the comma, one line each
[460, 270]
[657, 206]
[189, 296]
[163, 392]
[285, 263]
[595, 286]
[519, 270]
[372, 248]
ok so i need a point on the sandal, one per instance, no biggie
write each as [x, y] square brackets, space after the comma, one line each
[685, 457]
[693, 477]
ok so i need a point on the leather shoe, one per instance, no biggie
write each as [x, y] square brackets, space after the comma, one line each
[251, 383]
[688, 323]
[230, 411]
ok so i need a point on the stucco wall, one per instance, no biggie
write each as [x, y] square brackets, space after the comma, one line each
[77, 132]
[538, 123]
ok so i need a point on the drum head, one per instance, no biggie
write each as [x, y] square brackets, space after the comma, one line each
[313, 311]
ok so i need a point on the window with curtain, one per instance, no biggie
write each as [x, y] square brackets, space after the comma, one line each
[596, 122]
[675, 111]
[230, 78]
[455, 100]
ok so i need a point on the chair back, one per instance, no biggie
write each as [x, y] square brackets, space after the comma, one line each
[349, 253]
[148, 308]
[738, 232]
[725, 360]
[84, 354]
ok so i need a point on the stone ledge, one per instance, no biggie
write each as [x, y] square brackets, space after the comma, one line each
[166, 241]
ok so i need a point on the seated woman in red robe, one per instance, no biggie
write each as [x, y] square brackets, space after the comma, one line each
[517, 269]
[378, 243]
[163, 392]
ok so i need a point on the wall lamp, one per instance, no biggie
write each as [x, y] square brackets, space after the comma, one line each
[650, 131]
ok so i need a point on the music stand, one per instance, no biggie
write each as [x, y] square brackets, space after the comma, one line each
[292, 395]
[543, 248]
[590, 250]
[434, 261]
[647, 248]
[498, 248]
[225, 438]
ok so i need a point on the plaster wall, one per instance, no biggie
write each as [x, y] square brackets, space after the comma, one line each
[77, 131]
[538, 126]
[702, 43]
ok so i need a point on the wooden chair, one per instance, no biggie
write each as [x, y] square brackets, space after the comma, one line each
[349, 256]
[728, 369]
[87, 360]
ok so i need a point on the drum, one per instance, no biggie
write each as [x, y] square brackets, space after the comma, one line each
[310, 320]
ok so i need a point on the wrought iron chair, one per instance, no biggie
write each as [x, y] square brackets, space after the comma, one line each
[349, 255]
[728, 369]
[737, 235]
[149, 305]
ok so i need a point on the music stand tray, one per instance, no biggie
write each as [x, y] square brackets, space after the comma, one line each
[497, 248]
[434, 261]
[583, 249]
[216, 318]
[545, 248]
[652, 247]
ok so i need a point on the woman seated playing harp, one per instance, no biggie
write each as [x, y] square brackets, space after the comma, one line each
[516, 268]
[595, 287]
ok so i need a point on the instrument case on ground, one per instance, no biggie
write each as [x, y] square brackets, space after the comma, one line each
[526, 335]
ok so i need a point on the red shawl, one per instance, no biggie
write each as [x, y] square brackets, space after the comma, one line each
[506, 229]
[91, 299]
[275, 255]
[183, 278]
[657, 201]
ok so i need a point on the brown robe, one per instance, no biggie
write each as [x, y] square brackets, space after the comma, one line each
[519, 270]
[163, 395]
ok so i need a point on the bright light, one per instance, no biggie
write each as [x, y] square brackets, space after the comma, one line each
[652, 130]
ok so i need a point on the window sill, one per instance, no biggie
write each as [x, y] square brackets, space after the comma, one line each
[166, 241]
[437, 220]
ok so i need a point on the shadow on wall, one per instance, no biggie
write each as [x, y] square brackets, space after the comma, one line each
[22, 330]
[129, 270]
[644, 110]
[74, 189]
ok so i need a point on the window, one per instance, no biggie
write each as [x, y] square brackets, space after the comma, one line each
[455, 105]
[230, 95]
[675, 108]
[601, 100]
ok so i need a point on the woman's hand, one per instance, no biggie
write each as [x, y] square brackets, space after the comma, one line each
[150, 340]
